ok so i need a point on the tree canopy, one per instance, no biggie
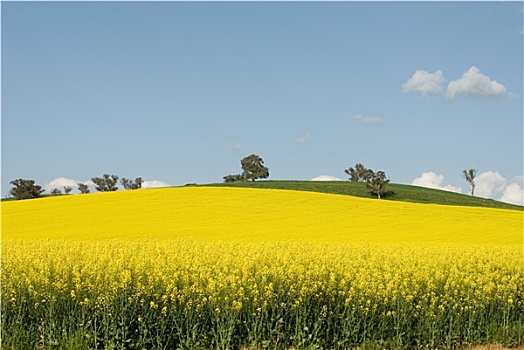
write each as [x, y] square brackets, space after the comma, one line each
[106, 183]
[234, 178]
[25, 189]
[83, 188]
[132, 185]
[377, 183]
[253, 168]
[358, 173]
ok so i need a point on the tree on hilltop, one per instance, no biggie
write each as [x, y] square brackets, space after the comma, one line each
[25, 189]
[132, 185]
[56, 192]
[358, 173]
[469, 175]
[106, 184]
[83, 188]
[253, 168]
[234, 178]
[377, 183]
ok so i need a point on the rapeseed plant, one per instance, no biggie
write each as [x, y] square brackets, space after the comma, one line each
[214, 213]
[237, 292]
[186, 279]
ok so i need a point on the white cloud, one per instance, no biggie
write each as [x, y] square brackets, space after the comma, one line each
[432, 180]
[518, 180]
[305, 137]
[425, 83]
[490, 184]
[154, 184]
[60, 183]
[513, 194]
[233, 145]
[326, 178]
[364, 119]
[493, 185]
[475, 84]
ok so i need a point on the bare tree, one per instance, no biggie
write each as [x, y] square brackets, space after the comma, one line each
[67, 189]
[469, 175]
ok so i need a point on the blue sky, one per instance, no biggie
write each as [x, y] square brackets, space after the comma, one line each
[179, 92]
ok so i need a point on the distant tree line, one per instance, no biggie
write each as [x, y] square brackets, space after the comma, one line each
[252, 169]
[27, 189]
[57, 191]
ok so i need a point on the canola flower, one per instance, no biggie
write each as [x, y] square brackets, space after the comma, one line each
[224, 289]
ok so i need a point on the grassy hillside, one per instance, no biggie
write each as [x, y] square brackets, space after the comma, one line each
[395, 192]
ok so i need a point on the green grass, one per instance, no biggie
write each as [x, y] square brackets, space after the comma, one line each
[395, 192]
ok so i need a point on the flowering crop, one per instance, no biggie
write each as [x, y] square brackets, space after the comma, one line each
[201, 268]
[210, 213]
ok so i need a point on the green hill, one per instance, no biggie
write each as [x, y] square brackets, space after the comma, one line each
[395, 192]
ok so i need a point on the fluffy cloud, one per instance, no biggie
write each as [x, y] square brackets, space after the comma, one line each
[475, 84]
[364, 119]
[472, 83]
[432, 180]
[493, 185]
[326, 178]
[304, 138]
[513, 194]
[154, 184]
[424, 82]
[518, 180]
[490, 184]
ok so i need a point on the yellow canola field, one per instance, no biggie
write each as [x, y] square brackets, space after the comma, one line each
[226, 268]
[250, 215]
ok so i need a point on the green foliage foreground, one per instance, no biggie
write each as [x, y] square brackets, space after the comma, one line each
[281, 295]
